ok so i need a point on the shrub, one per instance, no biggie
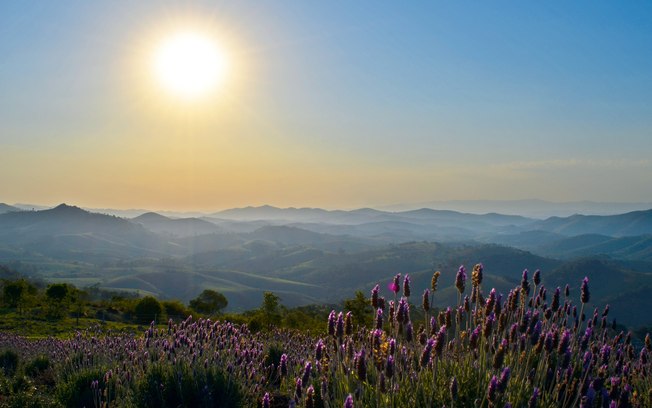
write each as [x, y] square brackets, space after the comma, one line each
[37, 366]
[209, 302]
[168, 386]
[76, 390]
[9, 362]
[175, 310]
[148, 309]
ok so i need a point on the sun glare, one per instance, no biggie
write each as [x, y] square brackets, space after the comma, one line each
[189, 65]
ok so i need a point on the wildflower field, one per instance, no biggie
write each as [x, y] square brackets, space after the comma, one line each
[533, 347]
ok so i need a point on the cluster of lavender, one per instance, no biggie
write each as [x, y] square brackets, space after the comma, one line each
[530, 348]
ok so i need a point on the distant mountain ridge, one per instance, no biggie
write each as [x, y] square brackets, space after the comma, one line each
[315, 255]
[5, 208]
[177, 227]
[628, 224]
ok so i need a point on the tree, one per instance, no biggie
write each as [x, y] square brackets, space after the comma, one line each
[175, 309]
[58, 297]
[209, 302]
[270, 308]
[360, 309]
[148, 309]
[14, 293]
[57, 292]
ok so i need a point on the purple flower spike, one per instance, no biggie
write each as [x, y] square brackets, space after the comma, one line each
[361, 365]
[492, 389]
[319, 350]
[536, 277]
[584, 291]
[389, 368]
[460, 279]
[504, 379]
[339, 325]
[476, 275]
[525, 284]
[532, 403]
[348, 323]
[331, 323]
[349, 402]
[379, 319]
[374, 296]
[426, 300]
[298, 390]
[283, 365]
[406, 286]
[395, 286]
[425, 355]
[266, 400]
[306, 373]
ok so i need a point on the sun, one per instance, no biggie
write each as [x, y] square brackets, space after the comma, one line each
[189, 65]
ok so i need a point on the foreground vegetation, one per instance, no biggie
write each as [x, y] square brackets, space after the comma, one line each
[532, 347]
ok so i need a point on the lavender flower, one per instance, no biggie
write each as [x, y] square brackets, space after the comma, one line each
[488, 324]
[564, 342]
[331, 323]
[532, 403]
[349, 402]
[339, 325]
[361, 365]
[409, 332]
[401, 311]
[298, 389]
[395, 286]
[319, 350]
[476, 275]
[525, 283]
[283, 365]
[555, 300]
[584, 291]
[504, 379]
[440, 341]
[374, 296]
[425, 354]
[426, 301]
[499, 357]
[389, 367]
[379, 319]
[460, 279]
[433, 281]
[266, 400]
[492, 390]
[348, 324]
[406, 286]
[473, 339]
[536, 277]
[307, 369]
[310, 397]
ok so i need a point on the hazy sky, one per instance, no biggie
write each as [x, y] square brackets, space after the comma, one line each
[330, 104]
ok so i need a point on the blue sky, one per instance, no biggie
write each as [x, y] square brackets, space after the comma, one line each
[329, 104]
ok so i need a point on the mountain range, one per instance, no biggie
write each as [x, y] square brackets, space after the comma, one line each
[315, 255]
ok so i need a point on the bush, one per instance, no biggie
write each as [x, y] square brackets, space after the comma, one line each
[209, 302]
[168, 386]
[37, 366]
[176, 310]
[148, 309]
[273, 360]
[76, 390]
[9, 362]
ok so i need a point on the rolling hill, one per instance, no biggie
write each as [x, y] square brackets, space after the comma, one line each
[321, 256]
